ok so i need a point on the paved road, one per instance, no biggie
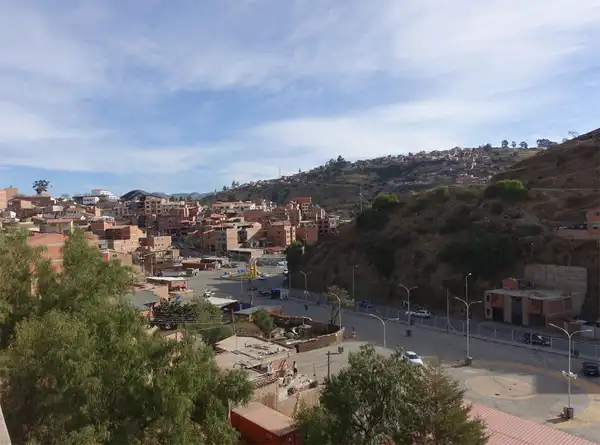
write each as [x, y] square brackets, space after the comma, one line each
[238, 289]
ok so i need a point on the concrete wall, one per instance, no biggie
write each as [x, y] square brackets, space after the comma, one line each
[320, 342]
[569, 279]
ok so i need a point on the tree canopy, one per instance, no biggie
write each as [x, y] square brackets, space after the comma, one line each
[82, 368]
[379, 399]
[263, 321]
[41, 186]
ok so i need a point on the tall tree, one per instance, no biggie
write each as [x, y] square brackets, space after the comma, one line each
[264, 322]
[523, 145]
[504, 144]
[379, 399]
[41, 186]
[82, 369]
[513, 144]
[339, 298]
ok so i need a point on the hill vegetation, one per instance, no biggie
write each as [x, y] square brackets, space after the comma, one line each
[434, 237]
[339, 185]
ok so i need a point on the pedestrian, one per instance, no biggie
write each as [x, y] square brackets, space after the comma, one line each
[295, 369]
[306, 307]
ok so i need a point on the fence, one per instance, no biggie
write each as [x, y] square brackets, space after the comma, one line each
[481, 329]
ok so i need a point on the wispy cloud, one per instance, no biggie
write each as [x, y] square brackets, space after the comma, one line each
[87, 83]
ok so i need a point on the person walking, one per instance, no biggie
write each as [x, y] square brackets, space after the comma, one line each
[295, 369]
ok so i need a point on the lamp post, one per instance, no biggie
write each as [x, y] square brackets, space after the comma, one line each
[408, 290]
[305, 283]
[468, 307]
[339, 312]
[467, 286]
[384, 322]
[569, 375]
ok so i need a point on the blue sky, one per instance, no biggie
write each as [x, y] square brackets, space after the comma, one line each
[189, 95]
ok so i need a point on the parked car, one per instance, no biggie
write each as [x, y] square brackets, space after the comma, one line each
[262, 277]
[366, 304]
[421, 313]
[265, 292]
[590, 369]
[535, 339]
[413, 358]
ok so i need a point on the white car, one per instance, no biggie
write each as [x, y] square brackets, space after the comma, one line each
[262, 278]
[422, 313]
[413, 358]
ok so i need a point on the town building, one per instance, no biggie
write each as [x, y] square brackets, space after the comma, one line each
[546, 294]
[6, 195]
[124, 238]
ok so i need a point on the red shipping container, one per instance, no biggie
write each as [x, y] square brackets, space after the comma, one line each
[261, 425]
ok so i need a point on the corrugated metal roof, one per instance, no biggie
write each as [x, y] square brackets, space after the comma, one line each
[506, 429]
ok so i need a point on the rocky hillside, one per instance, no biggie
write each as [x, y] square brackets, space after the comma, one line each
[433, 238]
[337, 186]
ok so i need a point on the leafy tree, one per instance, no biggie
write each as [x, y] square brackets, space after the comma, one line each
[513, 144]
[379, 399]
[211, 336]
[293, 255]
[573, 134]
[508, 189]
[197, 314]
[339, 297]
[82, 369]
[504, 144]
[385, 203]
[371, 219]
[545, 143]
[263, 321]
[523, 145]
[41, 186]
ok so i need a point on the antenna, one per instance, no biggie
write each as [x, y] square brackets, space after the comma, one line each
[361, 199]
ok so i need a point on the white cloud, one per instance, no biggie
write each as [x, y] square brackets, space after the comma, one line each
[466, 65]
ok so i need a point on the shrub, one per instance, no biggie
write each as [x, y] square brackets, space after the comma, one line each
[385, 203]
[497, 208]
[484, 254]
[372, 219]
[383, 258]
[509, 189]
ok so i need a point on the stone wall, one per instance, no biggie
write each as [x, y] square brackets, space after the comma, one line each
[320, 342]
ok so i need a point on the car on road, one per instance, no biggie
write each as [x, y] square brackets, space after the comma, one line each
[265, 292]
[536, 339]
[590, 369]
[413, 358]
[366, 304]
[262, 277]
[421, 313]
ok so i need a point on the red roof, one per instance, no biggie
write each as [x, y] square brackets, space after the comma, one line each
[506, 429]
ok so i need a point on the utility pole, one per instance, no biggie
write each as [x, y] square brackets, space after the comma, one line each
[361, 199]
[447, 310]
[328, 364]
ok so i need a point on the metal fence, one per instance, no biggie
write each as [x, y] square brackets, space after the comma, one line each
[482, 329]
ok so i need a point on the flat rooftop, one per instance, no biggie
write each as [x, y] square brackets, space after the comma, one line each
[253, 349]
[534, 294]
[273, 421]
[220, 302]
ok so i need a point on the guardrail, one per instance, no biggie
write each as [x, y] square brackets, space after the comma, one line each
[480, 329]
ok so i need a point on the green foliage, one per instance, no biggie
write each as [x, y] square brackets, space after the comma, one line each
[379, 399]
[497, 208]
[263, 321]
[293, 255]
[382, 255]
[419, 204]
[41, 186]
[339, 297]
[484, 254]
[82, 369]
[172, 313]
[385, 203]
[467, 194]
[212, 336]
[372, 219]
[459, 220]
[508, 189]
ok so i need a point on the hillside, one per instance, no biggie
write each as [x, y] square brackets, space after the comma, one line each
[337, 186]
[433, 238]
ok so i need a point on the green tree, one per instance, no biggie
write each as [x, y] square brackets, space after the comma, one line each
[212, 336]
[504, 143]
[263, 321]
[196, 314]
[82, 369]
[339, 298]
[293, 255]
[379, 399]
[385, 203]
[41, 186]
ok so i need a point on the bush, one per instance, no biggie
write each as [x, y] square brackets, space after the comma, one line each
[497, 208]
[509, 189]
[383, 258]
[372, 219]
[467, 195]
[484, 254]
[385, 203]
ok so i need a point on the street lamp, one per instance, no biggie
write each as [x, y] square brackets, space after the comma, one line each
[468, 307]
[305, 283]
[384, 322]
[339, 312]
[408, 290]
[467, 286]
[569, 375]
